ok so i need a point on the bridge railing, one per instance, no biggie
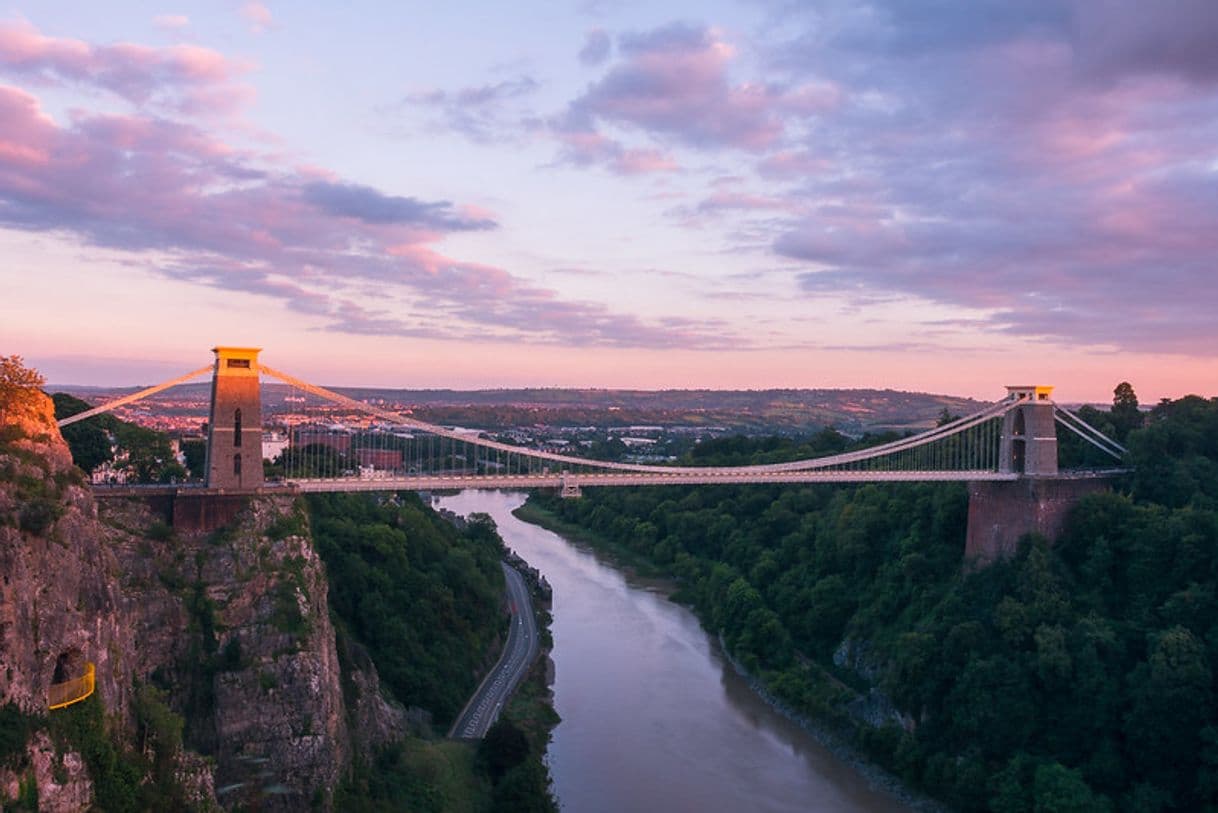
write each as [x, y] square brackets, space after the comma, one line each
[72, 691]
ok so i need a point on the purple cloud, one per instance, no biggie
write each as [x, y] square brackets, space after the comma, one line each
[597, 46]
[1049, 164]
[370, 206]
[590, 148]
[485, 113]
[1113, 39]
[673, 81]
[673, 86]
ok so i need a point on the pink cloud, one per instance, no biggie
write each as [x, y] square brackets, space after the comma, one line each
[258, 16]
[236, 221]
[179, 77]
[24, 129]
[587, 147]
[675, 83]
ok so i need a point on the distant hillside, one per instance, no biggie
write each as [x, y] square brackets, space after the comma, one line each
[741, 410]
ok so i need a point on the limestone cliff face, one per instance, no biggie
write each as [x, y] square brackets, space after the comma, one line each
[59, 602]
[233, 625]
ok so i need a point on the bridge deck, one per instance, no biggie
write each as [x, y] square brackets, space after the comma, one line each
[432, 482]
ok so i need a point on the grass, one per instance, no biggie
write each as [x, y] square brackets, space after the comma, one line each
[417, 775]
[449, 767]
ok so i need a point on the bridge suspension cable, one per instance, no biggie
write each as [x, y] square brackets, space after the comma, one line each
[135, 396]
[963, 456]
[903, 444]
[1089, 433]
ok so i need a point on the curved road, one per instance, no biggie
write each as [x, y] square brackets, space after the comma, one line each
[518, 654]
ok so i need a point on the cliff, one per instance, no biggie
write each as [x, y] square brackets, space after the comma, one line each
[232, 628]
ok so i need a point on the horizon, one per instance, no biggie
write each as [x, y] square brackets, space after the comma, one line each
[725, 196]
[58, 386]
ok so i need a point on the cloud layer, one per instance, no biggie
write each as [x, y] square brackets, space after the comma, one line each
[1043, 168]
[234, 220]
[1051, 164]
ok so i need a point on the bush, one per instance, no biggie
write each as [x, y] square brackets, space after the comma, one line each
[39, 514]
[15, 729]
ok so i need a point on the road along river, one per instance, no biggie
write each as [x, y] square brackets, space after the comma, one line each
[653, 716]
[519, 652]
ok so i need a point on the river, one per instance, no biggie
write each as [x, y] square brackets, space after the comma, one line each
[653, 717]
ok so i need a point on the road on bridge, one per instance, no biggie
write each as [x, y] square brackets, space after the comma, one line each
[518, 655]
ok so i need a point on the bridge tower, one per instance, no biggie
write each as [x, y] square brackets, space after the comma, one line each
[1000, 513]
[1029, 434]
[234, 426]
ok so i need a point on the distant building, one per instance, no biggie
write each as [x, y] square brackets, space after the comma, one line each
[384, 459]
[313, 436]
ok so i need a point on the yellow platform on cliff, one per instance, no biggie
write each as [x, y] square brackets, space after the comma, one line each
[72, 691]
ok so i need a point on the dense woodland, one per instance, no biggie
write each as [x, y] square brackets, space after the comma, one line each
[1073, 677]
[145, 453]
[424, 600]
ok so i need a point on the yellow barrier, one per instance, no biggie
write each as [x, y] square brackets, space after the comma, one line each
[72, 691]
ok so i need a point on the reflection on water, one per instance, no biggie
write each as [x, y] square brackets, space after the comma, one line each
[653, 717]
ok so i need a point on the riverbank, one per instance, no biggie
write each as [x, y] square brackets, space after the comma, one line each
[623, 558]
[837, 732]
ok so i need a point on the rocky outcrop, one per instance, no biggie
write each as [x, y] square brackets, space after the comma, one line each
[377, 720]
[59, 604]
[232, 626]
[875, 708]
[235, 626]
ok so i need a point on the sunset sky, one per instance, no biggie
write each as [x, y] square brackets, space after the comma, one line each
[915, 194]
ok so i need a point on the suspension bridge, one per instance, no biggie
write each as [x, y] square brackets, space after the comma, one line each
[1006, 452]
[331, 442]
[337, 443]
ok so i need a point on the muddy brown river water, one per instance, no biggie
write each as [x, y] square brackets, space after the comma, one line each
[653, 716]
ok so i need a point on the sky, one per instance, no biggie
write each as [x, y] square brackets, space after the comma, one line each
[910, 194]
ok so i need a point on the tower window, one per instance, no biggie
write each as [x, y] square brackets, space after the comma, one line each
[237, 465]
[243, 364]
[237, 428]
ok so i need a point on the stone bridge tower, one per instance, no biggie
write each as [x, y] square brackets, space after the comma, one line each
[1038, 501]
[234, 427]
[1029, 434]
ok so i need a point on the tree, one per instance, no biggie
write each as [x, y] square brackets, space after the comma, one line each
[504, 747]
[149, 456]
[88, 440]
[523, 789]
[18, 386]
[1170, 693]
[1057, 789]
[1125, 413]
[195, 452]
